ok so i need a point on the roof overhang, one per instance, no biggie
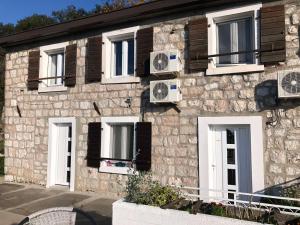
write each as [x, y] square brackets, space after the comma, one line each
[141, 12]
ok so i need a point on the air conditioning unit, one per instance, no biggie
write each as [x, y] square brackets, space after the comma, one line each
[163, 62]
[165, 91]
[288, 84]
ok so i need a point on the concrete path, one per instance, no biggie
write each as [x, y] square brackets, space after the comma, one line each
[17, 201]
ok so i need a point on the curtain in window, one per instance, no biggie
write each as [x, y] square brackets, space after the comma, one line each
[235, 36]
[122, 141]
[55, 68]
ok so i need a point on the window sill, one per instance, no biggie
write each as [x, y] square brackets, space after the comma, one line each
[116, 170]
[120, 80]
[235, 69]
[52, 89]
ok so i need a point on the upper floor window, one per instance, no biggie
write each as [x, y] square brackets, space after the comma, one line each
[52, 67]
[123, 57]
[55, 70]
[233, 37]
[119, 56]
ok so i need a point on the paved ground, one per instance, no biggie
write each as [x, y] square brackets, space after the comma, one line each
[18, 201]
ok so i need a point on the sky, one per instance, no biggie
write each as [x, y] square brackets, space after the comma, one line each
[13, 10]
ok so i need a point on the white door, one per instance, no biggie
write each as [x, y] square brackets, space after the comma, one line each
[230, 160]
[63, 154]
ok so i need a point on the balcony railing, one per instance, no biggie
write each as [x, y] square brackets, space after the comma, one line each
[284, 205]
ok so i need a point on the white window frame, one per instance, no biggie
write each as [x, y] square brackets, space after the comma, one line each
[107, 57]
[256, 142]
[223, 16]
[45, 51]
[105, 143]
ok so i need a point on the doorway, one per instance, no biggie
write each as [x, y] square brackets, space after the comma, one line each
[61, 153]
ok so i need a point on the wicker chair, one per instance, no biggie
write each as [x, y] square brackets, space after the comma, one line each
[58, 216]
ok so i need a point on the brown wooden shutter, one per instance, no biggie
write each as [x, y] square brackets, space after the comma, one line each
[143, 146]
[33, 70]
[272, 34]
[144, 45]
[94, 60]
[94, 145]
[198, 45]
[70, 65]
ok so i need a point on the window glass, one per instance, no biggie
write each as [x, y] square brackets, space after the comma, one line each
[235, 36]
[231, 177]
[230, 136]
[56, 68]
[122, 141]
[230, 156]
[118, 58]
[123, 64]
[130, 57]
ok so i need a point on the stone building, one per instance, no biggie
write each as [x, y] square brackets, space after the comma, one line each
[77, 97]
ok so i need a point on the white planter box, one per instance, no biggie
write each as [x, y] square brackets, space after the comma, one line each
[125, 213]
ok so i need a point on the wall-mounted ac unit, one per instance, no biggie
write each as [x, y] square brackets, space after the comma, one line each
[163, 62]
[165, 91]
[288, 84]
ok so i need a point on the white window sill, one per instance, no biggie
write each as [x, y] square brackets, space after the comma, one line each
[52, 89]
[235, 69]
[116, 170]
[120, 80]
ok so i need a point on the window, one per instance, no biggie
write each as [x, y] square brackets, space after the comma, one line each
[52, 67]
[234, 31]
[235, 36]
[121, 141]
[119, 60]
[118, 144]
[55, 68]
[123, 57]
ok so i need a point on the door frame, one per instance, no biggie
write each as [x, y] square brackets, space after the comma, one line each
[51, 151]
[256, 142]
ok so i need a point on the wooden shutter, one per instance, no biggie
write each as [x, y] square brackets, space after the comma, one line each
[144, 45]
[94, 145]
[143, 146]
[33, 70]
[70, 65]
[198, 45]
[272, 34]
[94, 60]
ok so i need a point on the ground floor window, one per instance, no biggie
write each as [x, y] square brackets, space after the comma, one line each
[118, 144]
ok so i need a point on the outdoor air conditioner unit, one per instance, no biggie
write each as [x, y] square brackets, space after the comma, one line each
[288, 84]
[165, 91]
[164, 62]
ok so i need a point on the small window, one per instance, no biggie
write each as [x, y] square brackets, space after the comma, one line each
[119, 56]
[55, 68]
[118, 144]
[235, 36]
[123, 57]
[121, 140]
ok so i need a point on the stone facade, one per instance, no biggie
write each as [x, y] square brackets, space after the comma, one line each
[174, 154]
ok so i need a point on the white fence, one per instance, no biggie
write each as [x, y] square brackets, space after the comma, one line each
[269, 203]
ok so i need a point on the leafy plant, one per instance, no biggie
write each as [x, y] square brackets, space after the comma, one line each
[142, 189]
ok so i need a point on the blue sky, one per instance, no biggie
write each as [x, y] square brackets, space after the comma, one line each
[13, 10]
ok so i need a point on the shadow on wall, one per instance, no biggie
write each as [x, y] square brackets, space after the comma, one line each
[266, 97]
[148, 107]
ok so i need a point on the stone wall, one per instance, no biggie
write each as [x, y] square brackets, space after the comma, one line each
[174, 154]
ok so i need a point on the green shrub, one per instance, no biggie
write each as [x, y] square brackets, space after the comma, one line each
[142, 189]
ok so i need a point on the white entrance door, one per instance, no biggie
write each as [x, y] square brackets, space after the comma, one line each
[62, 150]
[230, 160]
